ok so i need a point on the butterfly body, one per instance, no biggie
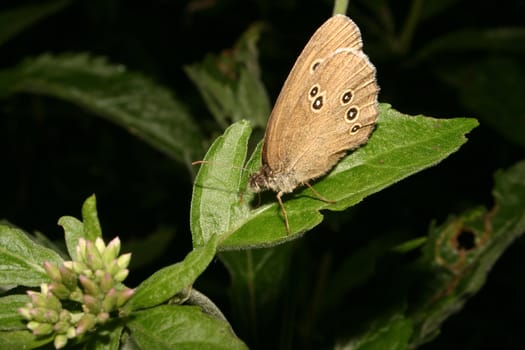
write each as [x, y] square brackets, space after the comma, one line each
[327, 106]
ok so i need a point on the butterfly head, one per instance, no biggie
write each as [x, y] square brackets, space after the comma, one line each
[266, 179]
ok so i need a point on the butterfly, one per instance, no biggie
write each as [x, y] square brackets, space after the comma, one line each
[327, 106]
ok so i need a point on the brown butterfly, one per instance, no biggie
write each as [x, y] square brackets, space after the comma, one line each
[327, 106]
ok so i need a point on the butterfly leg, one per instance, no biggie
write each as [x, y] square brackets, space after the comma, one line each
[319, 196]
[279, 195]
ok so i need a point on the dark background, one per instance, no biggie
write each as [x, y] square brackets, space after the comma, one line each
[54, 154]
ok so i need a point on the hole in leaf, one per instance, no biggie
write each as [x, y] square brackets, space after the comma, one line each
[466, 240]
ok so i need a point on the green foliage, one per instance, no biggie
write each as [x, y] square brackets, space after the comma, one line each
[75, 229]
[230, 83]
[11, 320]
[21, 259]
[179, 326]
[171, 280]
[217, 208]
[128, 99]
[360, 288]
[462, 251]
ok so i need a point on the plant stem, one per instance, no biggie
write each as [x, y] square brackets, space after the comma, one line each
[340, 7]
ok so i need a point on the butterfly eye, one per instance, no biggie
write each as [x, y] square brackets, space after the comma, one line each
[355, 129]
[318, 103]
[314, 90]
[347, 97]
[351, 114]
[315, 65]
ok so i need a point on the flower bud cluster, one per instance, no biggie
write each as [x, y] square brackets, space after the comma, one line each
[92, 280]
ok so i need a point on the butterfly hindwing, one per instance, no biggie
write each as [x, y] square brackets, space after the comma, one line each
[335, 114]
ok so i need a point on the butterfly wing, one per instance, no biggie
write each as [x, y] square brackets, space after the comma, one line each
[329, 107]
[340, 108]
[338, 31]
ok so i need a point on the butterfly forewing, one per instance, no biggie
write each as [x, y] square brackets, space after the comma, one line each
[337, 32]
[335, 113]
[326, 107]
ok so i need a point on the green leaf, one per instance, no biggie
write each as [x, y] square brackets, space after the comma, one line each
[252, 100]
[181, 327]
[168, 281]
[10, 318]
[258, 277]
[92, 229]
[58, 246]
[390, 334]
[73, 231]
[215, 91]
[105, 340]
[354, 271]
[493, 88]
[16, 20]
[216, 201]
[364, 265]
[128, 99]
[16, 340]
[384, 160]
[509, 193]
[230, 83]
[457, 257]
[410, 245]
[461, 252]
[21, 259]
[40, 239]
